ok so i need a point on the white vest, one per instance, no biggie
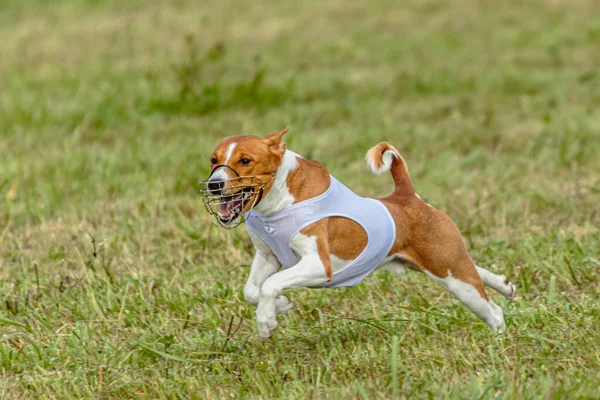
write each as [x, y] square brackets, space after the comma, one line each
[278, 229]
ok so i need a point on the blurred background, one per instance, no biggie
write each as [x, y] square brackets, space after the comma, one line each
[110, 109]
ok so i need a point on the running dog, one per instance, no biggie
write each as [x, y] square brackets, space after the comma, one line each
[324, 235]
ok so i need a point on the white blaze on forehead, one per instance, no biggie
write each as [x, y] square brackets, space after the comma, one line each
[229, 152]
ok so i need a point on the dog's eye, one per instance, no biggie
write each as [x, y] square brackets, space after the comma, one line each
[214, 160]
[245, 161]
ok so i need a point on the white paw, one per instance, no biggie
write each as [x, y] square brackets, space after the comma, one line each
[266, 327]
[283, 304]
[510, 290]
[496, 322]
[265, 320]
[513, 291]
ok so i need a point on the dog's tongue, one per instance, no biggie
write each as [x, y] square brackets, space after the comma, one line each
[225, 211]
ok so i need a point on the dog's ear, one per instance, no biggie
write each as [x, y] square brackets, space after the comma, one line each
[273, 140]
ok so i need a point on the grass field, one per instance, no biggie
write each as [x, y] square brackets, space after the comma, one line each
[115, 285]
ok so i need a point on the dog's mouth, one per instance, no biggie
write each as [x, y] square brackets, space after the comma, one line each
[231, 206]
[227, 199]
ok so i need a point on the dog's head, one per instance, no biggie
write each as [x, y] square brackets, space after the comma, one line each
[242, 173]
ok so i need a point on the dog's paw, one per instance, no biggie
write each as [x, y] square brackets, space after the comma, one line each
[506, 289]
[265, 321]
[495, 319]
[513, 292]
[283, 304]
[510, 290]
[266, 328]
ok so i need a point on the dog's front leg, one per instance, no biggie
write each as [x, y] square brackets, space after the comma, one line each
[264, 265]
[308, 272]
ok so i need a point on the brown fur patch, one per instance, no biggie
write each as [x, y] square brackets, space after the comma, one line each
[347, 239]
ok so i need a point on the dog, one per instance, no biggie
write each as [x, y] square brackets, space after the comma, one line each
[324, 235]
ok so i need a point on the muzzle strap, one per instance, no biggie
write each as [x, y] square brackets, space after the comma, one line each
[222, 166]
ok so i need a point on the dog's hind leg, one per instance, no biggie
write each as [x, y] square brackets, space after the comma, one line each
[466, 285]
[497, 282]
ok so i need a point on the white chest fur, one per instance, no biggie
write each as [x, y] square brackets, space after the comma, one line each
[279, 197]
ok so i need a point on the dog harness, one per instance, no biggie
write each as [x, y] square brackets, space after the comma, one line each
[278, 229]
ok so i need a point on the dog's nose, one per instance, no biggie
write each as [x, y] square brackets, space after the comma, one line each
[215, 186]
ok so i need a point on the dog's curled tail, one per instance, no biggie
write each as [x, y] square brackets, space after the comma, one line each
[383, 158]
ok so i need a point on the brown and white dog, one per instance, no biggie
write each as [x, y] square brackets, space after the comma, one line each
[249, 172]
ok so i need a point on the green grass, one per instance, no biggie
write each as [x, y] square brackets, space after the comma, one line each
[109, 110]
